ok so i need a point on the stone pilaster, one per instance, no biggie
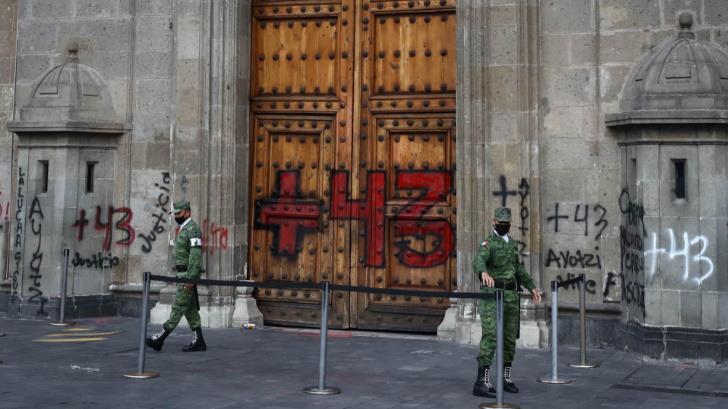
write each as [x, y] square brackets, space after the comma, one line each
[497, 145]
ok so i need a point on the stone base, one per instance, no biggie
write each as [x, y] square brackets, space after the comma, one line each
[246, 309]
[703, 347]
[447, 328]
[80, 306]
[215, 312]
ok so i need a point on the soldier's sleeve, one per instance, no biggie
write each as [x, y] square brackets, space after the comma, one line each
[481, 259]
[522, 275]
[195, 257]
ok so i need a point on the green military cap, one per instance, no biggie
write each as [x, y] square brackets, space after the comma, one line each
[502, 214]
[180, 206]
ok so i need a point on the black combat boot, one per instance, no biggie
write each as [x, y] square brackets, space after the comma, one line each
[155, 341]
[197, 344]
[482, 386]
[508, 384]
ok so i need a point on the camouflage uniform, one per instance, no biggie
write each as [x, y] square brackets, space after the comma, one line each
[187, 257]
[499, 258]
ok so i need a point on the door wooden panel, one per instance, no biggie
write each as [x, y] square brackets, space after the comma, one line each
[405, 121]
[301, 82]
[353, 157]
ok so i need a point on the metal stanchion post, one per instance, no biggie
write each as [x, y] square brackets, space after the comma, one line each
[499, 356]
[582, 328]
[140, 373]
[322, 389]
[554, 378]
[64, 285]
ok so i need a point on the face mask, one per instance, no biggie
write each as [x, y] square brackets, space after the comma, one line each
[502, 228]
[179, 220]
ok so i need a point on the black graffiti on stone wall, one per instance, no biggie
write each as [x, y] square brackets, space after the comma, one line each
[589, 284]
[97, 261]
[159, 218]
[19, 231]
[573, 259]
[633, 293]
[583, 214]
[522, 192]
[632, 233]
[35, 219]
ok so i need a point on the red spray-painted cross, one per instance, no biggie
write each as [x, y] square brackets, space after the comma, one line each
[287, 214]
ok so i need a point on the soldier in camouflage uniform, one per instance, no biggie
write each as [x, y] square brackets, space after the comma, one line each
[187, 256]
[497, 267]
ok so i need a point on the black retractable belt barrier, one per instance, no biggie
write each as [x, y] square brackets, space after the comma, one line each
[326, 288]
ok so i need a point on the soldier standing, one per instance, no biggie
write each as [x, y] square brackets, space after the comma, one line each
[497, 267]
[187, 256]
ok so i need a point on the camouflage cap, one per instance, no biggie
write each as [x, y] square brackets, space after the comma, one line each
[502, 214]
[180, 206]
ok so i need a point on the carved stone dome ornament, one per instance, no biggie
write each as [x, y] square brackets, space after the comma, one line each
[681, 81]
[70, 97]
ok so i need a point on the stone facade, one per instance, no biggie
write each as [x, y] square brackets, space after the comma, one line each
[536, 82]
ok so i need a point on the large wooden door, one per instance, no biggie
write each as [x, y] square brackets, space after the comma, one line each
[352, 113]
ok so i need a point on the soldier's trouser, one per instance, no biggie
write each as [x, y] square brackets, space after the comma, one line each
[511, 322]
[183, 305]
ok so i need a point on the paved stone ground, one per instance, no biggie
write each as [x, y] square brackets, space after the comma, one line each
[267, 368]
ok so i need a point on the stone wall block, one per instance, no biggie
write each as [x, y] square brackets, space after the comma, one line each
[553, 49]
[624, 46]
[653, 307]
[567, 16]
[582, 49]
[670, 307]
[563, 185]
[626, 14]
[502, 88]
[102, 8]
[563, 153]
[153, 65]
[38, 37]
[51, 9]
[153, 95]
[569, 86]
[570, 122]
[715, 12]
[691, 303]
[504, 45]
[155, 33]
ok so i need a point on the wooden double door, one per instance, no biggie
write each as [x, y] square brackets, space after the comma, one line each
[352, 144]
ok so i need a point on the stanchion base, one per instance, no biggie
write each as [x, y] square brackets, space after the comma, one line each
[498, 405]
[584, 365]
[315, 390]
[63, 324]
[558, 381]
[141, 375]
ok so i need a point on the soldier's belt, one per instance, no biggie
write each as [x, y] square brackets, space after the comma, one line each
[504, 285]
[180, 269]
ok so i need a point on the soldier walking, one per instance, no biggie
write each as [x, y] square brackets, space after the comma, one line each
[497, 267]
[187, 256]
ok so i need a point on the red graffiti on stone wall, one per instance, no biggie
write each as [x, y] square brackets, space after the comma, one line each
[116, 218]
[214, 237]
